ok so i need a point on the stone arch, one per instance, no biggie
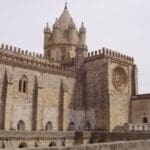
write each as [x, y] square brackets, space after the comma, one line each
[71, 126]
[145, 120]
[49, 126]
[21, 125]
[52, 144]
[22, 145]
[23, 83]
[87, 126]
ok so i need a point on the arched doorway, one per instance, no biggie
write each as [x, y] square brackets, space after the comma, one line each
[52, 144]
[21, 125]
[22, 145]
[71, 126]
[49, 126]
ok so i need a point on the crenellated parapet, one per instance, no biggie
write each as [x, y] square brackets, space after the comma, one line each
[105, 52]
[15, 50]
[23, 58]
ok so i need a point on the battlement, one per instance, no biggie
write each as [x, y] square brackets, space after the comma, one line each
[14, 50]
[105, 52]
[24, 58]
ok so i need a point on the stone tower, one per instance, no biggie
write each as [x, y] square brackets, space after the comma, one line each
[61, 43]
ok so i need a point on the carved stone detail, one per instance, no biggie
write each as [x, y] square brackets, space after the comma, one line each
[119, 78]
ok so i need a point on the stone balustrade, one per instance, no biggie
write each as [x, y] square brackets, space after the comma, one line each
[138, 127]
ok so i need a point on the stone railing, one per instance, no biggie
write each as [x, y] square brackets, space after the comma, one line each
[138, 127]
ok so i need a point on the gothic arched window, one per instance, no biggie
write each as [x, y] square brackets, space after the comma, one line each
[20, 85]
[49, 126]
[23, 84]
[21, 125]
[71, 126]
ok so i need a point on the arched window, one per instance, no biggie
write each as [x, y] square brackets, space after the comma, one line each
[23, 84]
[49, 126]
[21, 125]
[87, 126]
[71, 126]
[145, 120]
[22, 145]
[52, 144]
[20, 85]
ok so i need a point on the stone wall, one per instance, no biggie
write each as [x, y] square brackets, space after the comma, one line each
[111, 82]
[120, 90]
[130, 145]
[140, 108]
[97, 100]
[13, 139]
[20, 105]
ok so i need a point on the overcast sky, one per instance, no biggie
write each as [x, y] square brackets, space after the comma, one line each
[122, 25]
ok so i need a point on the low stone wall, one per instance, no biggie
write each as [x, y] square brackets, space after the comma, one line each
[13, 139]
[130, 145]
[40, 139]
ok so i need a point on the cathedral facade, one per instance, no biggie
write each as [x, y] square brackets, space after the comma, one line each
[67, 88]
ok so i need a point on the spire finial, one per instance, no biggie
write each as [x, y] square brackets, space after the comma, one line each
[82, 24]
[65, 5]
[47, 25]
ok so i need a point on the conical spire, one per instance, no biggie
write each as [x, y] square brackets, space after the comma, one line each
[71, 25]
[65, 19]
[82, 28]
[56, 24]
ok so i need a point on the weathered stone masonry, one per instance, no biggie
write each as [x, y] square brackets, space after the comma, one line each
[67, 88]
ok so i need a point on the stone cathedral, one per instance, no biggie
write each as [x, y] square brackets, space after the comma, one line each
[67, 88]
